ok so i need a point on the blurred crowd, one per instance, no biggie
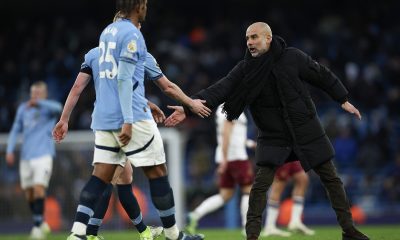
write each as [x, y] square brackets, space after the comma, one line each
[199, 42]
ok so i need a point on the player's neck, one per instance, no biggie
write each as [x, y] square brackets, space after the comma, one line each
[135, 20]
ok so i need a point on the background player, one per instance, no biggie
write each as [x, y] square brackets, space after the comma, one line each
[35, 119]
[234, 168]
[291, 170]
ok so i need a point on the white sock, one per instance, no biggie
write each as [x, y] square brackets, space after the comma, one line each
[172, 232]
[209, 205]
[244, 206]
[79, 228]
[297, 210]
[272, 214]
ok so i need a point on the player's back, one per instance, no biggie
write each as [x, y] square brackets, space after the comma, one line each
[237, 143]
[120, 41]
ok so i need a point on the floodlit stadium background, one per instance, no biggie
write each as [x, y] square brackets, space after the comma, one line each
[196, 43]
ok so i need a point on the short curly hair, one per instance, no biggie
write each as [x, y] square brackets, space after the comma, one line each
[124, 7]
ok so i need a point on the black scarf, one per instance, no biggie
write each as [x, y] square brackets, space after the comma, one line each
[257, 71]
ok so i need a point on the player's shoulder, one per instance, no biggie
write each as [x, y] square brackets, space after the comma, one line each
[92, 53]
[22, 106]
[124, 27]
[119, 29]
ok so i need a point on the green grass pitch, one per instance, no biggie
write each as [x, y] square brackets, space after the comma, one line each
[376, 232]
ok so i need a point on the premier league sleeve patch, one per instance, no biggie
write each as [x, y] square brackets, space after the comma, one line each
[132, 47]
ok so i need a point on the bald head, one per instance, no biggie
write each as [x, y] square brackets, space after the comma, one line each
[258, 37]
[261, 27]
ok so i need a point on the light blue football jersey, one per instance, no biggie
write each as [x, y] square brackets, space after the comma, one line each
[151, 68]
[35, 124]
[152, 72]
[119, 41]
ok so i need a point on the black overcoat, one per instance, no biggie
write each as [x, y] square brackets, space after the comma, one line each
[284, 112]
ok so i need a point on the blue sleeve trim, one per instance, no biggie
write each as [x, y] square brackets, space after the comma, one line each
[155, 77]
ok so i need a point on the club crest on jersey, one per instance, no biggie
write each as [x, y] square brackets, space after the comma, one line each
[132, 47]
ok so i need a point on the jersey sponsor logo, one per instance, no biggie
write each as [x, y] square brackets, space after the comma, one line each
[132, 46]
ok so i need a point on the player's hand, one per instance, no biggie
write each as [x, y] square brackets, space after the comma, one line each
[176, 117]
[351, 109]
[197, 107]
[126, 134]
[157, 113]
[32, 102]
[60, 131]
[250, 143]
[10, 159]
[222, 167]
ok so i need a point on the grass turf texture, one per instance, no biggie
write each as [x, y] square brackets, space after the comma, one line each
[376, 232]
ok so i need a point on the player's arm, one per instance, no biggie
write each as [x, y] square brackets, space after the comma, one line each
[320, 76]
[80, 84]
[154, 73]
[175, 92]
[53, 106]
[226, 138]
[12, 138]
[157, 113]
[217, 93]
[125, 74]
[61, 128]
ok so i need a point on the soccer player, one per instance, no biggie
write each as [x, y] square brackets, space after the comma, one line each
[117, 107]
[35, 119]
[120, 111]
[123, 178]
[234, 168]
[291, 170]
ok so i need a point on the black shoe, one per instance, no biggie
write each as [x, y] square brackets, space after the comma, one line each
[184, 236]
[353, 234]
[252, 237]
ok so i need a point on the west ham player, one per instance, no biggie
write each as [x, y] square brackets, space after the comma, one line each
[234, 168]
[291, 170]
[35, 119]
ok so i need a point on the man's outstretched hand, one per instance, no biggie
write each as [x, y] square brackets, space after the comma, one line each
[199, 108]
[351, 109]
[176, 117]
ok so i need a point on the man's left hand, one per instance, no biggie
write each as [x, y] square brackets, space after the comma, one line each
[351, 109]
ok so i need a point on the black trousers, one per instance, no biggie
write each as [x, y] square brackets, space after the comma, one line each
[263, 180]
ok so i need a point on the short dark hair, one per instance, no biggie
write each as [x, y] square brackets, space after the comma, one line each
[124, 7]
